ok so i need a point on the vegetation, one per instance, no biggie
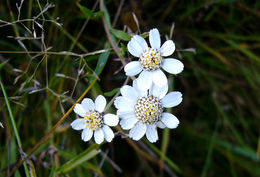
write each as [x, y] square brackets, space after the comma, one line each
[54, 53]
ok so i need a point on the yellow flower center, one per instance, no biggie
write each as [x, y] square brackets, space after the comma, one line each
[94, 120]
[148, 109]
[151, 59]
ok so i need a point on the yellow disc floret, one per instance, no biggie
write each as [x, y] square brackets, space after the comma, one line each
[148, 109]
[151, 59]
[94, 120]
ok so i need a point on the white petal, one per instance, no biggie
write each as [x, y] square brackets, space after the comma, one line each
[134, 48]
[172, 99]
[138, 131]
[159, 78]
[172, 66]
[129, 93]
[78, 124]
[125, 114]
[160, 124]
[111, 119]
[144, 80]
[167, 48]
[159, 92]
[170, 120]
[99, 136]
[100, 103]
[129, 123]
[123, 104]
[133, 68]
[151, 133]
[86, 134]
[88, 104]
[108, 133]
[119, 100]
[154, 38]
[141, 41]
[78, 109]
[141, 93]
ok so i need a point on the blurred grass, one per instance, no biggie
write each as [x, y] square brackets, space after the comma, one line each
[219, 117]
[17, 136]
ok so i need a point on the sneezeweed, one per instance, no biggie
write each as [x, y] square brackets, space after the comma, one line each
[142, 111]
[94, 120]
[151, 59]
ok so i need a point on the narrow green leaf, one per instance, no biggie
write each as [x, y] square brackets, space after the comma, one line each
[214, 52]
[89, 13]
[112, 92]
[17, 174]
[99, 14]
[102, 60]
[210, 151]
[108, 21]
[87, 165]
[145, 35]
[247, 52]
[165, 140]
[79, 159]
[53, 173]
[121, 35]
[107, 16]
[17, 135]
[240, 162]
[123, 50]
[3, 64]
[246, 152]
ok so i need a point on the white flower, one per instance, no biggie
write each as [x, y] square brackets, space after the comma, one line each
[142, 111]
[151, 60]
[94, 120]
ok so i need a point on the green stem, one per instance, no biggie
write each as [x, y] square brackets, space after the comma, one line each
[14, 127]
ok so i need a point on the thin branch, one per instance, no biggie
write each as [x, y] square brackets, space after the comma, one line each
[118, 12]
[39, 53]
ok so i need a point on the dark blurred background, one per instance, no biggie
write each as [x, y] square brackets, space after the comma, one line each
[217, 40]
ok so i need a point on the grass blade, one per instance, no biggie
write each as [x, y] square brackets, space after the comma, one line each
[243, 50]
[79, 159]
[102, 60]
[14, 126]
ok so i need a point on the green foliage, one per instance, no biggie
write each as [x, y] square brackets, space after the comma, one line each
[121, 35]
[112, 92]
[3, 64]
[79, 159]
[51, 54]
[89, 13]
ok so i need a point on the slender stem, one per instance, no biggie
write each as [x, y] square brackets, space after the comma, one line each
[109, 36]
[39, 53]
[118, 12]
[107, 27]
[82, 29]
[14, 127]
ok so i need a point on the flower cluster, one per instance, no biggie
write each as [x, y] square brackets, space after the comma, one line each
[141, 106]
